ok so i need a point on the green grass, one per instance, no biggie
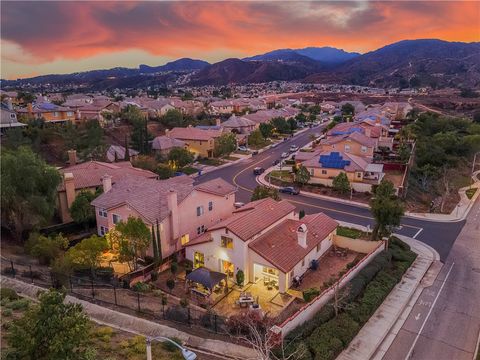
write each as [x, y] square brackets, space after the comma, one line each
[283, 175]
[349, 232]
[189, 170]
[470, 192]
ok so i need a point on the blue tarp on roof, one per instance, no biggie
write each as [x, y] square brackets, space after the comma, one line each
[333, 161]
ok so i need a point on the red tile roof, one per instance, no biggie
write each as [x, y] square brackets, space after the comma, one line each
[280, 246]
[216, 186]
[89, 174]
[255, 217]
[191, 133]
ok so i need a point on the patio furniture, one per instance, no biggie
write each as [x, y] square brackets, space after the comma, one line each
[199, 292]
[245, 299]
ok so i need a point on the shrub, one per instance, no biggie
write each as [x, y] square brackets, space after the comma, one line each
[9, 294]
[167, 345]
[20, 304]
[103, 333]
[170, 284]
[174, 268]
[141, 287]
[240, 277]
[310, 294]
[324, 346]
[184, 302]
[7, 312]
[105, 273]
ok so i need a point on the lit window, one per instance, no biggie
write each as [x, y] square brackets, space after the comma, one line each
[55, 114]
[347, 147]
[116, 218]
[200, 210]
[210, 205]
[185, 239]
[102, 213]
[364, 149]
[70, 113]
[103, 230]
[226, 242]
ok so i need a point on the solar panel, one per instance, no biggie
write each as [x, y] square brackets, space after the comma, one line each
[333, 161]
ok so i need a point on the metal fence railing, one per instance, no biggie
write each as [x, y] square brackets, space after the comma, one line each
[157, 305]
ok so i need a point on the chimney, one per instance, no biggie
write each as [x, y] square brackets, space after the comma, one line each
[72, 157]
[172, 203]
[217, 122]
[302, 235]
[69, 183]
[9, 104]
[106, 183]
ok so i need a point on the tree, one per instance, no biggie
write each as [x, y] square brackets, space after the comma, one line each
[267, 129]
[173, 118]
[302, 176]
[425, 174]
[82, 211]
[341, 184]
[256, 139]
[225, 144]
[281, 125]
[28, 191]
[51, 330]
[25, 97]
[240, 276]
[134, 239]
[415, 82]
[386, 209]
[46, 248]
[301, 117]
[262, 192]
[180, 157]
[91, 143]
[476, 117]
[159, 245]
[132, 114]
[87, 254]
[155, 248]
[292, 123]
[140, 136]
[348, 110]
[404, 152]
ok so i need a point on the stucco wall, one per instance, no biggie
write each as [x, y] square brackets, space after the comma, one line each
[361, 246]
[355, 148]
[357, 186]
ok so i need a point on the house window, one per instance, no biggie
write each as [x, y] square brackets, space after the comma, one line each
[116, 218]
[311, 172]
[102, 213]
[185, 239]
[303, 262]
[210, 205]
[69, 113]
[200, 229]
[226, 242]
[198, 259]
[200, 210]
[324, 172]
[364, 149]
[318, 247]
[359, 175]
[55, 114]
[347, 147]
[103, 230]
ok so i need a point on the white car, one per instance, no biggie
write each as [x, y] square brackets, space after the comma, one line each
[293, 148]
[285, 155]
[274, 145]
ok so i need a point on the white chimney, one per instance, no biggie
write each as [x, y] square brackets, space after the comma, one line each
[172, 203]
[106, 183]
[72, 157]
[302, 235]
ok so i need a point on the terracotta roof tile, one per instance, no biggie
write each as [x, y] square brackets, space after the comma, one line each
[191, 133]
[280, 245]
[216, 186]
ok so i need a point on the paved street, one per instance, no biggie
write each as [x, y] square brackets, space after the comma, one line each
[440, 236]
[444, 324]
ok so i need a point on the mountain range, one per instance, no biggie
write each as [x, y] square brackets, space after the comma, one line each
[425, 62]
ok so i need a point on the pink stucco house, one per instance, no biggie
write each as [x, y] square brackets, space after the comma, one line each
[184, 211]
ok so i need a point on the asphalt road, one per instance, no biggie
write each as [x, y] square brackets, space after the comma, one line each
[440, 236]
[444, 323]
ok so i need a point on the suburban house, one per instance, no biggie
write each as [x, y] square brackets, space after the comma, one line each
[198, 141]
[48, 111]
[266, 240]
[264, 116]
[88, 176]
[8, 117]
[355, 143]
[367, 127]
[239, 125]
[323, 166]
[116, 153]
[163, 144]
[184, 211]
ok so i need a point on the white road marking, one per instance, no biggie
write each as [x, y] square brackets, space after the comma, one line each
[418, 233]
[429, 312]
[417, 316]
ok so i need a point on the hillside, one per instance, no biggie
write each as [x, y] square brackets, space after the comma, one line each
[432, 62]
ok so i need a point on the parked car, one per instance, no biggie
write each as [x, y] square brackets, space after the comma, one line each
[289, 190]
[293, 148]
[285, 155]
[276, 162]
[255, 152]
[242, 148]
[258, 170]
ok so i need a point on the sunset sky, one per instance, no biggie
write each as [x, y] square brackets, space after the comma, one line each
[62, 37]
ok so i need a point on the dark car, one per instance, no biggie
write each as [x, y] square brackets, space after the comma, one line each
[258, 170]
[276, 162]
[254, 152]
[289, 190]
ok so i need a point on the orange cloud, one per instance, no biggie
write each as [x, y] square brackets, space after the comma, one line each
[51, 31]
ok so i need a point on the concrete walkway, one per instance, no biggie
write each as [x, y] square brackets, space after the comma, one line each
[133, 324]
[377, 334]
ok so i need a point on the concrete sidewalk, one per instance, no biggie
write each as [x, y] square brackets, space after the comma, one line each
[377, 334]
[136, 325]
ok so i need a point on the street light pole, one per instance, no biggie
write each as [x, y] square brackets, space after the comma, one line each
[187, 354]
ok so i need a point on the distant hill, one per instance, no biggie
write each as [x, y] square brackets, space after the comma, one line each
[184, 64]
[249, 71]
[324, 55]
[425, 62]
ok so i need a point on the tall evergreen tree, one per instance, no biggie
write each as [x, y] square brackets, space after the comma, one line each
[159, 245]
[155, 247]
[127, 149]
